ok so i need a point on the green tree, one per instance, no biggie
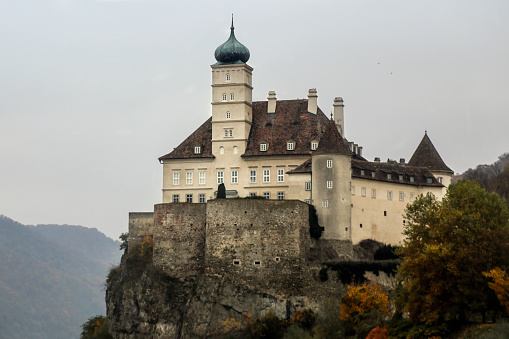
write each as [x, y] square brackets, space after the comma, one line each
[95, 328]
[449, 244]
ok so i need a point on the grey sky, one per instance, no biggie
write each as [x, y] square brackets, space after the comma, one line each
[93, 92]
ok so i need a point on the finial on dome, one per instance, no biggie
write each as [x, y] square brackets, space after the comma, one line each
[232, 51]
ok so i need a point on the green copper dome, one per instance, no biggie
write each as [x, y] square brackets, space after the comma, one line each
[232, 51]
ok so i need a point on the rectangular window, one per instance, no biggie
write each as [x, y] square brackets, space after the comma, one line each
[220, 177]
[363, 191]
[373, 193]
[412, 196]
[373, 174]
[228, 132]
[228, 115]
[263, 147]
[202, 178]
[266, 175]
[308, 186]
[189, 178]
[363, 172]
[290, 146]
[280, 175]
[325, 203]
[352, 189]
[252, 194]
[329, 183]
[412, 178]
[197, 149]
[280, 195]
[176, 198]
[429, 180]
[266, 195]
[389, 176]
[440, 180]
[176, 178]
[329, 163]
[232, 96]
[252, 176]
[314, 145]
[401, 196]
[389, 195]
[235, 177]
[201, 197]
[189, 198]
[400, 177]
[307, 201]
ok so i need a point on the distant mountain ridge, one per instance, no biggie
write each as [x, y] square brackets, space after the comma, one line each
[51, 278]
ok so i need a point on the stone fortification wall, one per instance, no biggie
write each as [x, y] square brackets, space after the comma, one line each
[141, 224]
[260, 242]
[179, 238]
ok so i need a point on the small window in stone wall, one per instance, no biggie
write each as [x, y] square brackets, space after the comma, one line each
[236, 261]
[257, 263]
[361, 225]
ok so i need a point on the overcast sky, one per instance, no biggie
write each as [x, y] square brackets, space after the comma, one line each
[93, 92]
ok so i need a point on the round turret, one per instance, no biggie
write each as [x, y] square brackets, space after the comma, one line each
[232, 51]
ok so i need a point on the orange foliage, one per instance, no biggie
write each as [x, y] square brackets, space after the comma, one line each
[362, 299]
[500, 286]
[378, 333]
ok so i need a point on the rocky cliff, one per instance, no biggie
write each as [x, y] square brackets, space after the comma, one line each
[144, 302]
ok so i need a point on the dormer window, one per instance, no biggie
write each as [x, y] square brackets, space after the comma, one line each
[228, 78]
[363, 172]
[412, 178]
[389, 176]
[228, 115]
[290, 145]
[263, 147]
[314, 145]
[429, 180]
[232, 96]
[197, 149]
[373, 174]
[400, 177]
[224, 96]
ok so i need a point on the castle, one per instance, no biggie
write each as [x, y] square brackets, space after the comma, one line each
[292, 154]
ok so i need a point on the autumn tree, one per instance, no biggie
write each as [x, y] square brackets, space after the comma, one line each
[448, 245]
[500, 286]
[95, 328]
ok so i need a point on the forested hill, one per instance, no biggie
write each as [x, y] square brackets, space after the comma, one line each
[51, 278]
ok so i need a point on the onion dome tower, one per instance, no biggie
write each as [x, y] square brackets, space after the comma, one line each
[232, 51]
[232, 102]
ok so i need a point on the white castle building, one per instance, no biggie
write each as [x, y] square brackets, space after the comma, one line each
[289, 149]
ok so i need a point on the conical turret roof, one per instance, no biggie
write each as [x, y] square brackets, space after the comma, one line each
[332, 142]
[426, 155]
[232, 51]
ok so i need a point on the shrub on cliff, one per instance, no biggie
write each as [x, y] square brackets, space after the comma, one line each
[95, 328]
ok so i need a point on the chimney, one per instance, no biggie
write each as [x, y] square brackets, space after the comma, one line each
[338, 115]
[377, 159]
[360, 151]
[401, 161]
[271, 102]
[312, 101]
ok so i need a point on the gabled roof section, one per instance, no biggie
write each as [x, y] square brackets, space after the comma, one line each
[427, 156]
[305, 167]
[290, 122]
[202, 136]
[332, 142]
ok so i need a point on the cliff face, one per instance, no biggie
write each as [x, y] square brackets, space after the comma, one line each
[157, 306]
[144, 302]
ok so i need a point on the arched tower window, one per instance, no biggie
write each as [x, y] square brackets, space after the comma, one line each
[221, 150]
[228, 78]
[224, 96]
[232, 96]
[228, 115]
[235, 149]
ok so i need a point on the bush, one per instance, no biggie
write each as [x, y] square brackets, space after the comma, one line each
[268, 326]
[386, 252]
[296, 332]
[305, 319]
[95, 327]
[328, 325]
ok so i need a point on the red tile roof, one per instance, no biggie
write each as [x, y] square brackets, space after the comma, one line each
[202, 136]
[332, 142]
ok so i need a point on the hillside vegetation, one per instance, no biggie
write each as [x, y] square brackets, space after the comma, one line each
[51, 278]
